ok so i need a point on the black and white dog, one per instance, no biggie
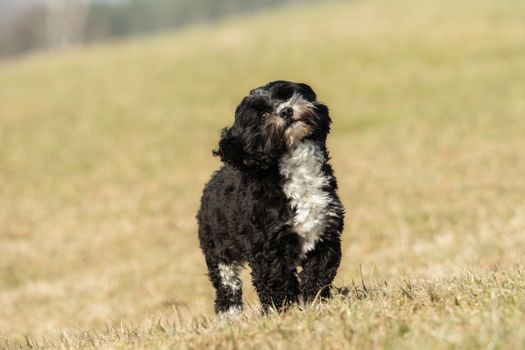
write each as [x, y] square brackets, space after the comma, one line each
[274, 203]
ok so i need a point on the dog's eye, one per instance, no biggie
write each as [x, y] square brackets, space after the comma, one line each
[265, 115]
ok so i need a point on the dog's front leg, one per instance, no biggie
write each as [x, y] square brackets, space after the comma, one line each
[274, 272]
[320, 267]
[276, 284]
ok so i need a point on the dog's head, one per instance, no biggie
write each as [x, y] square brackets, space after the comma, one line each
[270, 121]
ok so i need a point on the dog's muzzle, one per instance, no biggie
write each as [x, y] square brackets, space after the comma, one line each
[286, 113]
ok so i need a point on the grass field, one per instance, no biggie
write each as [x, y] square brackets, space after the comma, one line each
[104, 152]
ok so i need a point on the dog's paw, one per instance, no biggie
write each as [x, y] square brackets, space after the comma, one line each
[232, 314]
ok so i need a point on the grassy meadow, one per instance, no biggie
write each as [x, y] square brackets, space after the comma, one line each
[104, 152]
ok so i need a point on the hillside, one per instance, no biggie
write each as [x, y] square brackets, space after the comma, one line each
[104, 152]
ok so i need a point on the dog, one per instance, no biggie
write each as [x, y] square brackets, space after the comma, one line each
[274, 203]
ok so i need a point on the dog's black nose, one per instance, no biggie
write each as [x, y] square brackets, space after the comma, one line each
[286, 112]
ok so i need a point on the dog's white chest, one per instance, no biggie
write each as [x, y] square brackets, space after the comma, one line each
[304, 182]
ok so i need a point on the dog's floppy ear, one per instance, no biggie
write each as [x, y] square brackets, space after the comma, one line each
[230, 149]
[323, 128]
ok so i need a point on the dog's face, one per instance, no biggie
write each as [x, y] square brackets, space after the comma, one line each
[271, 120]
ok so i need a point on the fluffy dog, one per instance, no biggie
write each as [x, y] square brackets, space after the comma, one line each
[274, 203]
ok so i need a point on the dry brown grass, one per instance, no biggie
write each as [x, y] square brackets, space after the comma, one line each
[104, 151]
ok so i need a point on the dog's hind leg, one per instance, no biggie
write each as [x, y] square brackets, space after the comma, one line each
[228, 287]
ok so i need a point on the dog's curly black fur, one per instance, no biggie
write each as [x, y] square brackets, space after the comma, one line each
[274, 203]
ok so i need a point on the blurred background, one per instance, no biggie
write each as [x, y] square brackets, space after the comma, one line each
[30, 25]
[109, 111]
